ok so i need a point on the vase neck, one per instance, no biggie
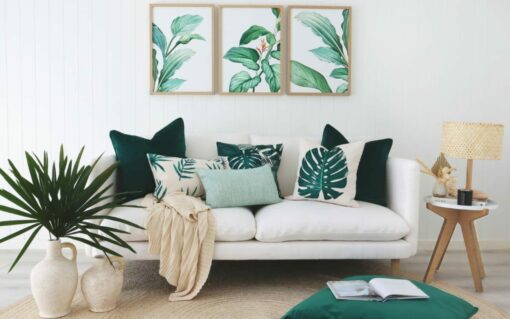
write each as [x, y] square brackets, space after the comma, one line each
[54, 249]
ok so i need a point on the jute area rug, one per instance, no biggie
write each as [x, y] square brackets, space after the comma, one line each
[236, 289]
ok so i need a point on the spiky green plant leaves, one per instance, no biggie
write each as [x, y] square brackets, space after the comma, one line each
[323, 172]
[62, 198]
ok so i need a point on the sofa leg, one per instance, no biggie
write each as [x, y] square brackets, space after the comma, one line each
[395, 267]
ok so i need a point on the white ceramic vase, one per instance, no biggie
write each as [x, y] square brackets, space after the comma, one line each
[54, 280]
[102, 283]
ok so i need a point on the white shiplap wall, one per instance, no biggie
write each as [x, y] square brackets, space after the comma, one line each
[71, 70]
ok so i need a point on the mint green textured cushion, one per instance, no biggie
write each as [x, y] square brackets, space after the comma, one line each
[323, 305]
[134, 173]
[234, 188]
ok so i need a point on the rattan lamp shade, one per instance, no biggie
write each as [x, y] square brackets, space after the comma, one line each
[478, 141]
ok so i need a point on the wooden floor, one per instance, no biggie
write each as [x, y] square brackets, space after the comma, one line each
[455, 270]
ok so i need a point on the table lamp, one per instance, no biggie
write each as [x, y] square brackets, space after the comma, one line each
[472, 141]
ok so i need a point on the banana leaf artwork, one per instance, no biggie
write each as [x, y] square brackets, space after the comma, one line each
[250, 49]
[181, 49]
[319, 50]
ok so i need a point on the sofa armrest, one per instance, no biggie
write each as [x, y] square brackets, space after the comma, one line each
[103, 164]
[403, 185]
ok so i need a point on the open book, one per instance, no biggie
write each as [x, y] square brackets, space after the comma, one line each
[377, 289]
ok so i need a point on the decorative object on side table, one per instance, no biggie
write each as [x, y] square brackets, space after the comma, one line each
[480, 141]
[60, 198]
[101, 284]
[454, 214]
[445, 183]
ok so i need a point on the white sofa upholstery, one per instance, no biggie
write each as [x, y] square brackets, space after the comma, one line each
[297, 229]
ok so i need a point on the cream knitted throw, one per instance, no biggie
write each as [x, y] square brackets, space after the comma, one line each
[181, 229]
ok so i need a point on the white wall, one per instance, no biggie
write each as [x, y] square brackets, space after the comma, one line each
[71, 70]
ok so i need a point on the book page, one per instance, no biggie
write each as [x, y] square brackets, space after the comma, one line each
[396, 288]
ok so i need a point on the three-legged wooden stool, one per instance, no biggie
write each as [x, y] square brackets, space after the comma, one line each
[465, 216]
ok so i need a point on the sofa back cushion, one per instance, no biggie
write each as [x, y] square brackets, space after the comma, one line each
[204, 146]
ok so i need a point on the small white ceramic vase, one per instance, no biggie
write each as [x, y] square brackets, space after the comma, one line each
[54, 280]
[439, 189]
[101, 284]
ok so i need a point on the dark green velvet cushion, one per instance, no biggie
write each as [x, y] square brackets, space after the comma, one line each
[371, 176]
[134, 173]
[323, 305]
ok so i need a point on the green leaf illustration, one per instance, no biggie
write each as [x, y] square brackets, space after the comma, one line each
[272, 74]
[276, 12]
[155, 161]
[242, 82]
[158, 38]
[215, 165]
[154, 66]
[340, 73]
[271, 40]
[271, 154]
[160, 190]
[342, 88]
[185, 168]
[171, 85]
[185, 24]
[345, 29]
[254, 32]
[188, 192]
[323, 171]
[303, 76]
[275, 55]
[185, 39]
[247, 158]
[172, 63]
[329, 55]
[322, 27]
[247, 56]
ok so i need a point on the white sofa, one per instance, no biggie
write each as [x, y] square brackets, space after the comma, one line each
[297, 229]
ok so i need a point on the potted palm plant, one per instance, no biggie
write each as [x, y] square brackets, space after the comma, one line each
[60, 198]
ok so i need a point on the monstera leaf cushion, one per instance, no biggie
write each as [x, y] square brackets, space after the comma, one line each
[244, 156]
[328, 175]
[174, 175]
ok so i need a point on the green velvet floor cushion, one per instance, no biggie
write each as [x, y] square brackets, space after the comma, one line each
[441, 305]
[134, 173]
[235, 188]
[371, 177]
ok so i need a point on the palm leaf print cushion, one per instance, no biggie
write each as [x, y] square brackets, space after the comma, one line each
[178, 175]
[245, 156]
[328, 175]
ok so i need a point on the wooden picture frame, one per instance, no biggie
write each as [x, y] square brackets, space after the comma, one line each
[185, 27]
[238, 72]
[321, 62]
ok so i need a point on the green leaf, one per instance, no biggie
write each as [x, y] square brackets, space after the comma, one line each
[185, 24]
[322, 27]
[272, 155]
[323, 172]
[276, 12]
[254, 32]
[345, 28]
[172, 63]
[155, 161]
[271, 40]
[246, 56]
[342, 88]
[272, 74]
[275, 54]
[171, 85]
[24, 249]
[329, 55]
[160, 190]
[185, 39]
[303, 76]
[154, 66]
[158, 38]
[242, 82]
[246, 157]
[185, 168]
[340, 73]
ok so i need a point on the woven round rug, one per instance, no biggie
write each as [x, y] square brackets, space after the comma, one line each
[236, 289]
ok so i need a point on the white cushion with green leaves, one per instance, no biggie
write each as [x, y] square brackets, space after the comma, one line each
[178, 175]
[328, 175]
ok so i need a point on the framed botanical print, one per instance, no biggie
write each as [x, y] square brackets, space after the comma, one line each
[250, 49]
[182, 49]
[319, 46]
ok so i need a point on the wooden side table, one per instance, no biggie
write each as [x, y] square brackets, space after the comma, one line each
[454, 214]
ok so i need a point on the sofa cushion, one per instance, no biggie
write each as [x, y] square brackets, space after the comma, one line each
[232, 224]
[306, 220]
